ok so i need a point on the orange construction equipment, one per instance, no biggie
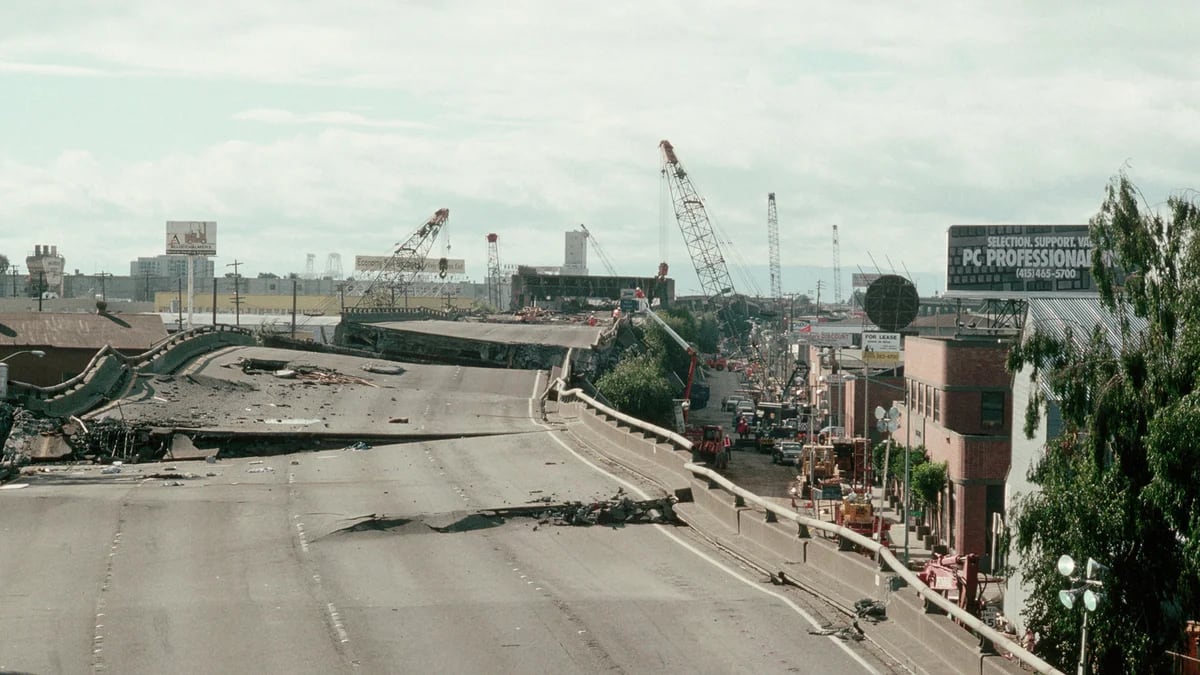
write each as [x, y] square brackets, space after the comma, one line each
[856, 513]
[710, 448]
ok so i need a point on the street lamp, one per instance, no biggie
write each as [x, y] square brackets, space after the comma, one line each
[1087, 587]
[36, 352]
[4, 369]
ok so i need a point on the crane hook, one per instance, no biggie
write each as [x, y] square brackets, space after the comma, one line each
[443, 265]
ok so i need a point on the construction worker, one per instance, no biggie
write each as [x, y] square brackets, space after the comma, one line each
[591, 320]
[743, 428]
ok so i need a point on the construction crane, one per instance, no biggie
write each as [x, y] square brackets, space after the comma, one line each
[608, 266]
[697, 230]
[837, 269]
[493, 270]
[408, 260]
[773, 245]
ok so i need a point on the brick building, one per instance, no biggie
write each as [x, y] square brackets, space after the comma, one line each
[961, 411]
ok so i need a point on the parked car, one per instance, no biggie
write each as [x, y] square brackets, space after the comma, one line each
[788, 453]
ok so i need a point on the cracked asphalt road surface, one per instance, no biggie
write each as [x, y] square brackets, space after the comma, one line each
[253, 565]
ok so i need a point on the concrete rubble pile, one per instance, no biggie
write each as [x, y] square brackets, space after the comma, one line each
[615, 511]
[35, 438]
[306, 374]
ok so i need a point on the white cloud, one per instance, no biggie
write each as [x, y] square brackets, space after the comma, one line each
[327, 118]
[893, 121]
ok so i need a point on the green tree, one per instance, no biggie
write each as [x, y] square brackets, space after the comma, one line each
[708, 334]
[1121, 483]
[928, 481]
[916, 456]
[665, 349]
[637, 387]
[3, 264]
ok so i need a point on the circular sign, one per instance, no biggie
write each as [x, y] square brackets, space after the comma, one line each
[891, 302]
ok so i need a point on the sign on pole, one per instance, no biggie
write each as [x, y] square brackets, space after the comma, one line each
[1019, 258]
[191, 237]
[830, 338]
[881, 349]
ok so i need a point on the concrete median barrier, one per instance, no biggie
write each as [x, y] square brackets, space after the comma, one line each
[717, 503]
[781, 538]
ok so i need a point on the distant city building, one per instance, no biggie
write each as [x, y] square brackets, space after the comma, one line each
[46, 269]
[171, 266]
[575, 256]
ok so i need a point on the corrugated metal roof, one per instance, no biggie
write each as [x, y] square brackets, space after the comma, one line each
[80, 330]
[1080, 315]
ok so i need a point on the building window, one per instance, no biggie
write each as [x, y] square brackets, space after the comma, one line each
[937, 405]
[992, 409]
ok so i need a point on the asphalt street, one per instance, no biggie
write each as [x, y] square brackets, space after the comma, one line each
[377, 560]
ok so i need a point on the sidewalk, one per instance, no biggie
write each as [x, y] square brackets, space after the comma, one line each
[918, 552]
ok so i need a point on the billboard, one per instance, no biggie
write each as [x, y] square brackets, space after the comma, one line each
[375, 263]
[881, 349]
[829, 338]
[1019, 258]
[191, 237]
[862, 279]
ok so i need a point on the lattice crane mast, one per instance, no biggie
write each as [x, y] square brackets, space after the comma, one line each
[696, 227]
[837, 268]
[773, 248]
[493, 271]
[408, 260]
[608, 266]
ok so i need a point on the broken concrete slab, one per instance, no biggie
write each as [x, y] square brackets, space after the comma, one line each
[182, 448]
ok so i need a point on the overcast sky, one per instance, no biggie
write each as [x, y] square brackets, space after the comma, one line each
[341, 126]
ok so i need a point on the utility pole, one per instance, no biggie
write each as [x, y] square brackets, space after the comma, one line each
[14, 280]
[237, 298]
[103, 291]
[41, 288]
[837, 268]
[179, 303]
[214, 307]
[293, 309]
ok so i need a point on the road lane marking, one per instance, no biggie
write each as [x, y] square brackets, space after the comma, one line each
[337, 623]
[704, 556]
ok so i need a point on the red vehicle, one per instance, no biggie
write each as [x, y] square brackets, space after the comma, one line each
[710, 448]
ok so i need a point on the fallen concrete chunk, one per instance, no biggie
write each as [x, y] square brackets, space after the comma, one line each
[383, 369]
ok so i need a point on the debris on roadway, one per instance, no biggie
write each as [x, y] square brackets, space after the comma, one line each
[616, 511]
